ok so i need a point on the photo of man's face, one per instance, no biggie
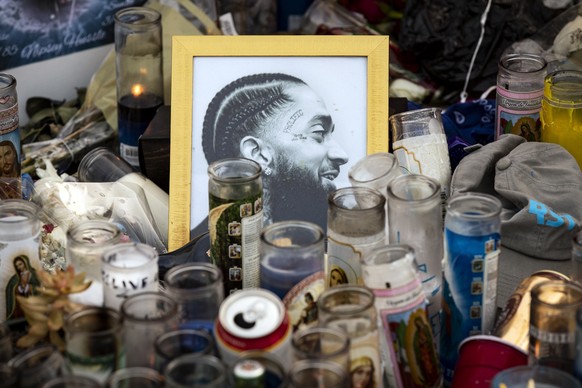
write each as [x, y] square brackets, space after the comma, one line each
[304, 141]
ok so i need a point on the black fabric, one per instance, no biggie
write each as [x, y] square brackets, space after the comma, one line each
[443, 34]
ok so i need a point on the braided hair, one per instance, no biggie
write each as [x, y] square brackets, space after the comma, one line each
[242, 108]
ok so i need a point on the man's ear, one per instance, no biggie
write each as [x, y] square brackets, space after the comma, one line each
[252, 147]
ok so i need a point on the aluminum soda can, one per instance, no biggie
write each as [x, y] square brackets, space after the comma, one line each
[470, 265]
[253, 319]
[513, 322]
[235, 221]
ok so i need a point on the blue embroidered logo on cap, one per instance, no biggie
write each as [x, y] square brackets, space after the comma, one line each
[554, 219]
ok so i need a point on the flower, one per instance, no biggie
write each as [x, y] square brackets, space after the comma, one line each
[45, 313]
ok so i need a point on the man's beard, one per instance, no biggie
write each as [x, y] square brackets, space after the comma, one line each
[296, 194]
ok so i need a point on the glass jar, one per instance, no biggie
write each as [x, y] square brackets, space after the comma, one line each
[351, 309]
[10, 153]
[139, 75]
[356, 225]
[19, 256]
[472, 246]
[235, 189]
[86, 242]
[561, 114]
[290, 252]
[520, 86]
[415, 213]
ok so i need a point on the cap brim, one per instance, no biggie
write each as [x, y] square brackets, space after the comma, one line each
[515, 267]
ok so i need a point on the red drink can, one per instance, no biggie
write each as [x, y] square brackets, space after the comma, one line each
[253, 319]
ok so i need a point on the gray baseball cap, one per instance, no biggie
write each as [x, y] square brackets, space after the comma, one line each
[540, 189]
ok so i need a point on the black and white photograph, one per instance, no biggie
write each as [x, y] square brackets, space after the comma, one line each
[303, 119]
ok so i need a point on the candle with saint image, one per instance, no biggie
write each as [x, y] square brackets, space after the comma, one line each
[138, 48]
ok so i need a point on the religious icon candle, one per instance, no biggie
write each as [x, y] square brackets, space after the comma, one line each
[10, 180]
[140, 85]
[19, 255]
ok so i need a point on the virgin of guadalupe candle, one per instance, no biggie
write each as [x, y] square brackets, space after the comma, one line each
[19, 255]
[520, 87]
[128, 269]
[391, 272]
[10, 181]
[138, 49]
[290, 252]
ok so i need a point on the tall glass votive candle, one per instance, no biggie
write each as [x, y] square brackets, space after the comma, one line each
[139, 377]
[94, 342]
[19, 256]
[38, 364]
[290, 252]
[71, 381]
[322, 343]
[176, 343]
[552, 330]
[196, 371]
[376, 171]
[318, 373]
[561, 113]
[198, 289]
[128, 269]
[10, 150]
[356, 225]
[520, 87]
[351, 309]
[472, 246]
[577, 257]
[145, 317]
[420, 145]
[86, 242]
[139, 75]
[415, 213]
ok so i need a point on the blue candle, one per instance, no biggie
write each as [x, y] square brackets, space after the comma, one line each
[135, 111]
[280, 273]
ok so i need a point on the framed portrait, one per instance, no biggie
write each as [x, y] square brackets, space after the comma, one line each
[306, 108]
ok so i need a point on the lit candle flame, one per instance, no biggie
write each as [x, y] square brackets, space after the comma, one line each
[137, 90]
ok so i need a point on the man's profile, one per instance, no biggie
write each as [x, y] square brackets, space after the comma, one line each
[281, 123]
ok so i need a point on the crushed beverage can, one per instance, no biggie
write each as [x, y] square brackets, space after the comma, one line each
[253, 319]
[513, 323]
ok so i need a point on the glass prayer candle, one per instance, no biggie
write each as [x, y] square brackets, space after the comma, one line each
[193, 370]
[290, 252]
[322, 343]
[19, 256]
[36, 365]
[356, 225]
[318, 373]
[128, 269]
[72, 381]
[135, 377]
[140, 83]
[415, 213]
[351, 309]
[10, 175]
[94, 342]
[145, 317]
[86, 242]
[235, 189]
[176, 343]
[198, 290]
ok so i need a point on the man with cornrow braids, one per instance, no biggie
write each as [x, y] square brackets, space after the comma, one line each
[278, 121]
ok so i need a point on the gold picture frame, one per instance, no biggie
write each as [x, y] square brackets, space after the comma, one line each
[197, 61]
